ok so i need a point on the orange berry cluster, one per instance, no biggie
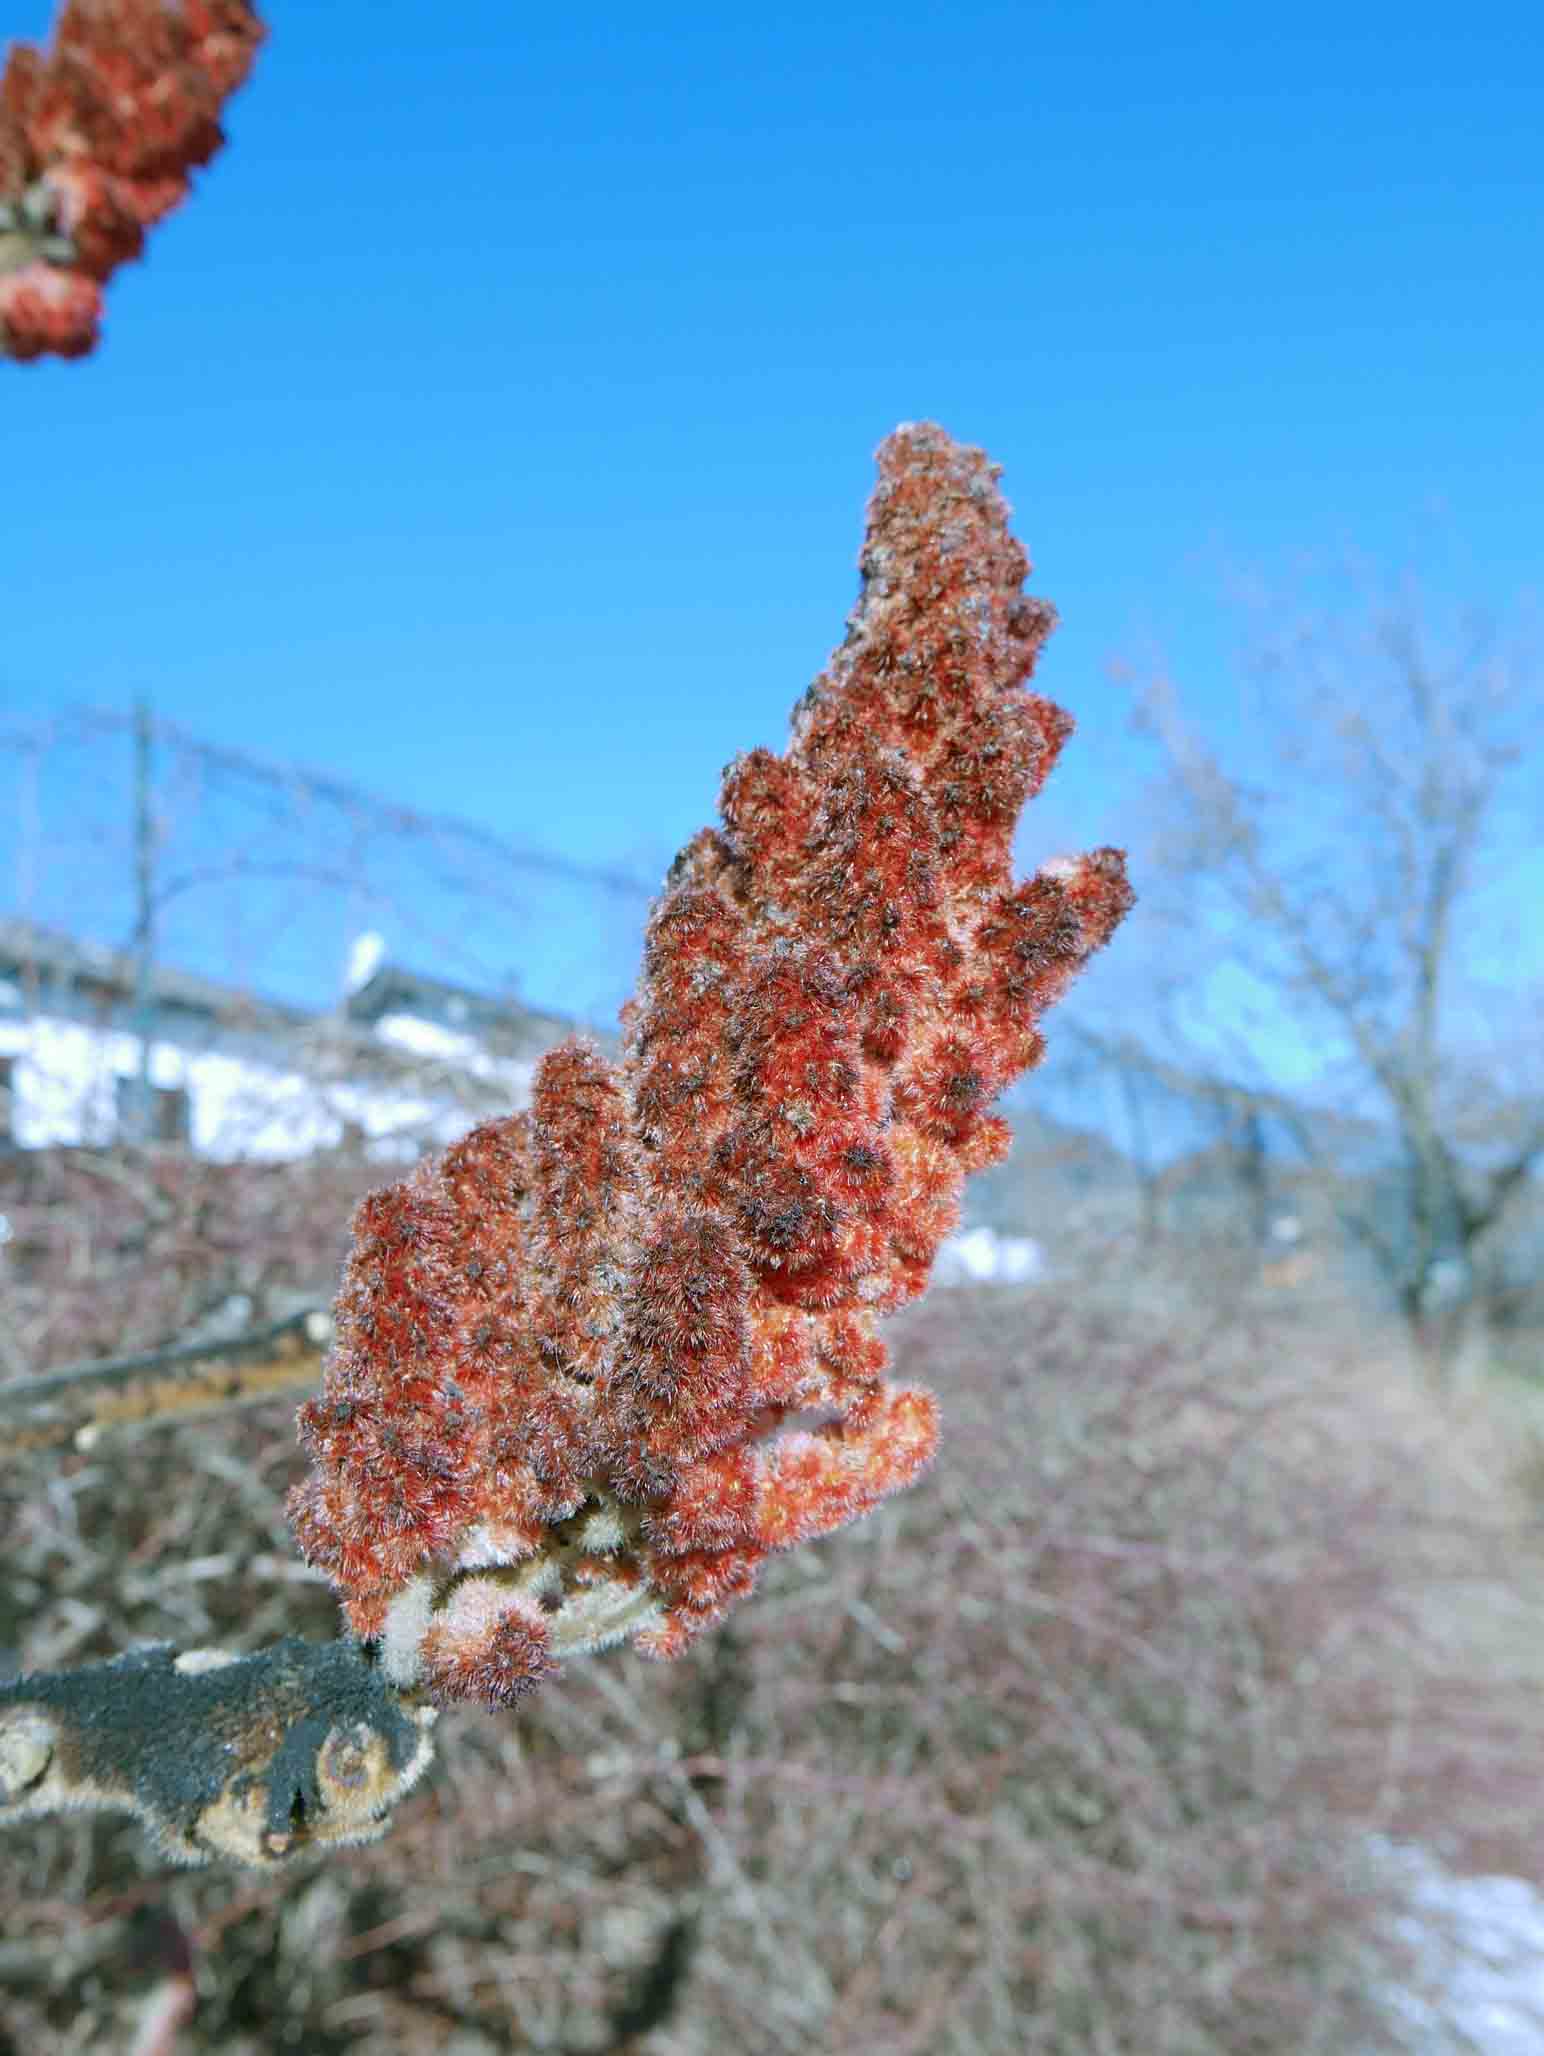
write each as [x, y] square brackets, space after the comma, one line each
[603, 1357]
[97, 139]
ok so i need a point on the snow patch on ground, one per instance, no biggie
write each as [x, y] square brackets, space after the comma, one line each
[1481, 1942]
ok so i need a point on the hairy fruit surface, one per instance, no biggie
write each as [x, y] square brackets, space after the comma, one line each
[599, 1360]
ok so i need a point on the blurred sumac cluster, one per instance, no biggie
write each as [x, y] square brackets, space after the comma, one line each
[99, 136]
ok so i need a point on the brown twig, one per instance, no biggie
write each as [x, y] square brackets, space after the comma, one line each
[163, 1387]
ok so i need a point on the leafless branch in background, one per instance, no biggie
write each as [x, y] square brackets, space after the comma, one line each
[77, 1407]
[1347, 880]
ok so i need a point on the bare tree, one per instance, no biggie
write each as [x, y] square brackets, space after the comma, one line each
[1341, 954]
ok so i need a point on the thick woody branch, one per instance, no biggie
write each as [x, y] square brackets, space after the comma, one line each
[253, 1758]
[163, 1387]
[1480, 1215]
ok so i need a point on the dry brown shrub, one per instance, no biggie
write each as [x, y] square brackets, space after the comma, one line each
[1070, 1750]
[110, 1251]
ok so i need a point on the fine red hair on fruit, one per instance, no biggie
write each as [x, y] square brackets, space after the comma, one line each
[603, 1357]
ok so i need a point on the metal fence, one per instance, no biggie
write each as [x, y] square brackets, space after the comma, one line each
[120, 829]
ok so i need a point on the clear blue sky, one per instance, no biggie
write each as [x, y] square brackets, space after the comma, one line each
[493, 427]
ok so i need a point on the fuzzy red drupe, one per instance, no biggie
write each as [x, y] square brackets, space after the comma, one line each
[599, 1361]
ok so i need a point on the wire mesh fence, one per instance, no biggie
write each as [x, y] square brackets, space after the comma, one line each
[262, 875]
[204, 947]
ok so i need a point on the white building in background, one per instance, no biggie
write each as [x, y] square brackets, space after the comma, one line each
[980, 1256]
[405, 1062]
